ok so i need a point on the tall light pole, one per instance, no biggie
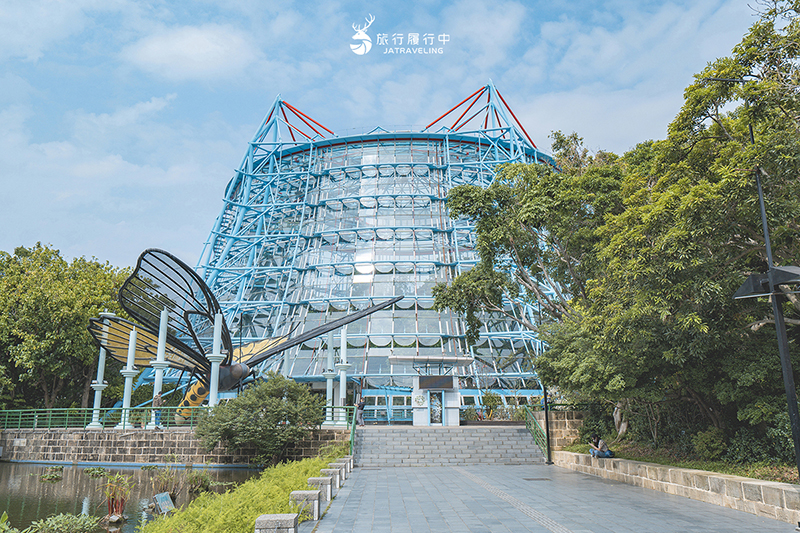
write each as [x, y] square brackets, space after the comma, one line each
[754, 287]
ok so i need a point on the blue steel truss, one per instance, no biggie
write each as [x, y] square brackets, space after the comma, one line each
[314, 225]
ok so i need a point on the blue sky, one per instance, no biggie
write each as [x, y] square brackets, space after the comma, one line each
[121, 121]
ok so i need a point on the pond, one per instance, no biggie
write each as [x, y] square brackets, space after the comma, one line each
[25, 498]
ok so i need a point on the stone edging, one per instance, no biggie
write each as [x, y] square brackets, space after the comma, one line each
[780, 501]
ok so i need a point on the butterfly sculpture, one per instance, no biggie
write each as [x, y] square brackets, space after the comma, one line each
[162, 281]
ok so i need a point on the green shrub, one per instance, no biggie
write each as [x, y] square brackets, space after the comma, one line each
[519, 414]
[64, 523]
[335, 450]
[490, 401]
[502, 413]
[199, 481]
[598, 419]
[270, 417]
[747, 447]
[780, 438]
[236, 511]
[469, 414]
[710, 444]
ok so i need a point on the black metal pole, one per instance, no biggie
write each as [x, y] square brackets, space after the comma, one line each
[780, 328]
[547, 424]
[777, 309]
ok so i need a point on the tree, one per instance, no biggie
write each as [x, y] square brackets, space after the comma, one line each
[536, 229]
[47, 357]
[648, 256]
[269, 417]
[660, 326]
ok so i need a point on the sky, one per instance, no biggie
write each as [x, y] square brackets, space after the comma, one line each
[122, 121]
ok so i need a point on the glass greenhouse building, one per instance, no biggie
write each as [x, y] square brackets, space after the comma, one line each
[315, 226]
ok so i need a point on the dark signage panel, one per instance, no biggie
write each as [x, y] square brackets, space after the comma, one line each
[436, 382]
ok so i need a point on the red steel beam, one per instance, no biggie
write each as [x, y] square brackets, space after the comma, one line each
[455, 107]
[515, 118]
[283, 111]
[306, 123]
[470, 118]
[467, 109]
[290, 106]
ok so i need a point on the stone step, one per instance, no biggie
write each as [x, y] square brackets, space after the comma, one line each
[408, 445]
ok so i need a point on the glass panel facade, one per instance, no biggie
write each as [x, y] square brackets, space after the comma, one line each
[315, 231]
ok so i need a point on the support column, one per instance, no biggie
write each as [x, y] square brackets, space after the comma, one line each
[160, 364]
[342, 367]
[216, 358]
[129, 372]
[329, 375]
[99, 384]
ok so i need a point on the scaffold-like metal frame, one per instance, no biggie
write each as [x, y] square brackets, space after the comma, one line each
[314, 226]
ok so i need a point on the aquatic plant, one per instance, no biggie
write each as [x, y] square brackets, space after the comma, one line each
[117, 489]
[95, 471]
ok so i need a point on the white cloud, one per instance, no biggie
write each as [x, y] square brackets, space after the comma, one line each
[205, 52]
[97, 165]
[483, 32]
[620, 82]
[29, 27]
[90, 200]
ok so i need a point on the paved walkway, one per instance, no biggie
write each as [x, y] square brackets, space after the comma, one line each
[499, 499]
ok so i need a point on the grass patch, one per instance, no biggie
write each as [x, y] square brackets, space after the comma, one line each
[236, 510]
[784, 473]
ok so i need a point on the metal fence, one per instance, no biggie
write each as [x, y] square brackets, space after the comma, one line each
[136, 418]
[109, 418]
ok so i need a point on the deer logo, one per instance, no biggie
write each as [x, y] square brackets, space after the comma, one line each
[365, 44]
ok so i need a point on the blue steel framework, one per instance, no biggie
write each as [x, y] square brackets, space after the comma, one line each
[315, 225]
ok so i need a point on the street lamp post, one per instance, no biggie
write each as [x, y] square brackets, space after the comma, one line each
[775, 276]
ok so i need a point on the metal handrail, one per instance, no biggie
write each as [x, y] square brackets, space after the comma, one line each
[107, 418]
[536, 431]
[352, 430]
[564, 406]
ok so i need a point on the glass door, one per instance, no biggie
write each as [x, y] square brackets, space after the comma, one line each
[435, 404]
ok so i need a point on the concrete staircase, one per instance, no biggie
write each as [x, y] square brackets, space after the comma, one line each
[438, 446]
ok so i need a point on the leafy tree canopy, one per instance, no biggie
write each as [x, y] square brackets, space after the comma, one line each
[536, 228]
[47, 357]
[644, 251]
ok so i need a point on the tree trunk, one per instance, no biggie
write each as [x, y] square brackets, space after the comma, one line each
[87, 388]
[621, 419]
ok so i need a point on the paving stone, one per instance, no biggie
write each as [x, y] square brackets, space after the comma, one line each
[498, 498]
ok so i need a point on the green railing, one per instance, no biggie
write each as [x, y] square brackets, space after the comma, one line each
[536, 431]
[109, 418]
[352, 429]
[563, 406]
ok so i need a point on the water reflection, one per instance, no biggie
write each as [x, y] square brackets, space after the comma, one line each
[26, 499]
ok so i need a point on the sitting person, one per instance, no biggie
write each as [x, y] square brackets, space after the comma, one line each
[599, 447]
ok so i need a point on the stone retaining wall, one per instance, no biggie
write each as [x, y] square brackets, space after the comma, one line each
[565, 426]
[136, 446]
[780, 501]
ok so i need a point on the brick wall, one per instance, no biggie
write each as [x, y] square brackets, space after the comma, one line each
[564, 426]
[136, 446]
